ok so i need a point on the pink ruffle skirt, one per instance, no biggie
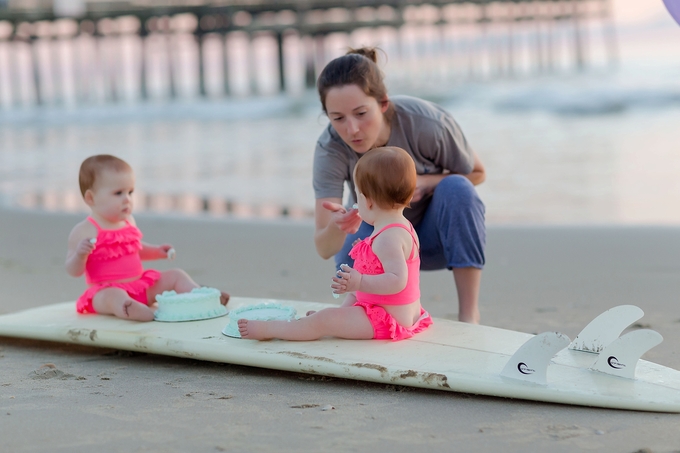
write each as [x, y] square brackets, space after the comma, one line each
[385, 327]
[136, 289]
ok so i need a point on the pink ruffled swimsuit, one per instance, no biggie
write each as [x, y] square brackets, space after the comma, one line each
[116, 257]
[384, 324]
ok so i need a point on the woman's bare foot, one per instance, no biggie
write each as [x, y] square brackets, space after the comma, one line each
[224, 298]
[135, 311]
[253, 330]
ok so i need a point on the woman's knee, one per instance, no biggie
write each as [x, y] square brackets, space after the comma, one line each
[458, 191]
[456, 184]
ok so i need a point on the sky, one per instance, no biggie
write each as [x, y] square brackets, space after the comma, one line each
[631, 11]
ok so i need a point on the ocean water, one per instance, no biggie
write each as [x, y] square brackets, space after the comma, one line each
[598, 146]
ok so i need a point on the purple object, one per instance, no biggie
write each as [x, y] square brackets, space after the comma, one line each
[673, 7]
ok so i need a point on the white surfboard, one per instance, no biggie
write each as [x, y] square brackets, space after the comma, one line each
[448, 356]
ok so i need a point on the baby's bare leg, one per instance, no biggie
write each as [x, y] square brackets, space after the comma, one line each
[178, 280]
[173, 279]
[117, 302]
[344, 322]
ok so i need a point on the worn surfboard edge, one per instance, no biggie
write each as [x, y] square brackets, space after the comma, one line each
[419, 362]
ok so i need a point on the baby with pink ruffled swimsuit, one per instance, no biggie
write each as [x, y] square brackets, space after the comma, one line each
[383, 289]
[107, 247]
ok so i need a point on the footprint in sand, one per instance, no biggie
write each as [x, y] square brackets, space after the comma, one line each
[50, 371]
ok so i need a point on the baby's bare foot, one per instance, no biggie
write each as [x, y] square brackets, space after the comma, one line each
[252, 330]
[224, 298]
[135, 311]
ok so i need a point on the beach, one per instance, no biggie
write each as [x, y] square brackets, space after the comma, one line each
[70, 398]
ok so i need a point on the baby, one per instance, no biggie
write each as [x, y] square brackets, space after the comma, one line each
[383, 288]
[107, 247]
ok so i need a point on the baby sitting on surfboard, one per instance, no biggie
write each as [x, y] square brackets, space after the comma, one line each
[107, 247]
[383, 288]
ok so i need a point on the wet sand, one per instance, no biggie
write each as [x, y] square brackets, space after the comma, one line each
[69, 398]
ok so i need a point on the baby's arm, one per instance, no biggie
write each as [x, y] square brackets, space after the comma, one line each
[391, 249]
[81, 242]
[156, 252]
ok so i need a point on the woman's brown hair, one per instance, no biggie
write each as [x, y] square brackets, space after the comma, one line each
[386, 176]
[357, 67]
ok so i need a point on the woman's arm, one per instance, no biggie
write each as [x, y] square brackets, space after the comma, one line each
[332, 224]
[478, 173]
[443, 143]
[425, 184]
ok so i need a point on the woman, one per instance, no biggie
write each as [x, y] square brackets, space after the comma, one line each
[445, 209]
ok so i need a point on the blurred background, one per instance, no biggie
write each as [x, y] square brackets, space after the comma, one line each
[572, 105]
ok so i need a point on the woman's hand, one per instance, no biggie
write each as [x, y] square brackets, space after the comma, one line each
[346, 221]
[332, 224]
[425, 185]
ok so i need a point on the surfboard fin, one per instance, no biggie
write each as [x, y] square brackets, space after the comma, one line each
[621, 356]
[530, 362]
[606, 328]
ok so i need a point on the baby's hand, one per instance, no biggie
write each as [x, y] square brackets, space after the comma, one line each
[346, 280]
[85, 247]
[168, 251]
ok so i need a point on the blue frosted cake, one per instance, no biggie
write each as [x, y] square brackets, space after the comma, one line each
[200, 303]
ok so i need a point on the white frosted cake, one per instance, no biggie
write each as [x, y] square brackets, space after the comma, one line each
[261, 312]
[200, 303]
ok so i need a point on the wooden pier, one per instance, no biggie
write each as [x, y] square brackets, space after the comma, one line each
[138, 50]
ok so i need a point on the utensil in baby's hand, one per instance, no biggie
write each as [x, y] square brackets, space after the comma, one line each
[93, 241]
[335, 295]
[171, 254]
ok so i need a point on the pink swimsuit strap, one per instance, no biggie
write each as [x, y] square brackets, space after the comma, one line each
[366, 262]
[410, 230]
[99, 228]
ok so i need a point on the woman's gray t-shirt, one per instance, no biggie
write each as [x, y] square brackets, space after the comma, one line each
[425, 130]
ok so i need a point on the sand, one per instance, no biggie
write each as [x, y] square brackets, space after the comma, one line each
[67, 398]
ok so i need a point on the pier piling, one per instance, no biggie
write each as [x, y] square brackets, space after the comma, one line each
[472, 39]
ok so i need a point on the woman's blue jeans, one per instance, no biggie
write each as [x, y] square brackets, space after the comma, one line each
[452, 232]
